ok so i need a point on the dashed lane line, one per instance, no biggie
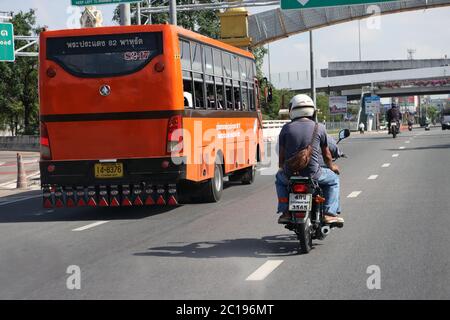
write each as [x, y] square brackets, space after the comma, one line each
[89, 226]
[263, 271]
[395, 155]
[354, 194]
[372, 177]
[401, 148]
[385, 165]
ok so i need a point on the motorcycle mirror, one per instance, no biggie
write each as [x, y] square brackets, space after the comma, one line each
[344, 133]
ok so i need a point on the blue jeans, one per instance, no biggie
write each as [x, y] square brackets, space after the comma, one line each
[328, 181]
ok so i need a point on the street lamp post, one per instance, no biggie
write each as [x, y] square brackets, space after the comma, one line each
[173, 12]
[125, 14]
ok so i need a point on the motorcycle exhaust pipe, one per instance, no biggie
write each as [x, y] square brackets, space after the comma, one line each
[325, 230]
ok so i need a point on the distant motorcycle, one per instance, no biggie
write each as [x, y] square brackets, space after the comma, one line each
[306, 207]
[394, 129]
[410, 124]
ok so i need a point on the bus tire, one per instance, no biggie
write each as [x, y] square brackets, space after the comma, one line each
[213, 188]
[249, 175]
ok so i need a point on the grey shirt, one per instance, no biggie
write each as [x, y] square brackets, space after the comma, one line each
[296, 135]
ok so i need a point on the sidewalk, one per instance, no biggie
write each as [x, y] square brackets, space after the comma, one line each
[9, 193]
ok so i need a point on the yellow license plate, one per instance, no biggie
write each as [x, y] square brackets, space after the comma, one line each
[108, 170]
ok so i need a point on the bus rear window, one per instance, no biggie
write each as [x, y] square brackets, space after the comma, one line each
[105, 55]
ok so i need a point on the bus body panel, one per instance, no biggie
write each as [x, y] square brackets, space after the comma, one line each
[129, 125]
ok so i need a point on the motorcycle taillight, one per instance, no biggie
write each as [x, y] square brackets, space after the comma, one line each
[300, 188]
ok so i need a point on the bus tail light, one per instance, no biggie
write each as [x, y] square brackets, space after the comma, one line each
[46, 153]
[47, 197]
[159, 67]
[174, 134]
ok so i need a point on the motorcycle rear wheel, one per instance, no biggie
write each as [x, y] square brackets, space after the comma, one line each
[305, 237]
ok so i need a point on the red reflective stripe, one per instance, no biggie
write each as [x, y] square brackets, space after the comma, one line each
[283, 200]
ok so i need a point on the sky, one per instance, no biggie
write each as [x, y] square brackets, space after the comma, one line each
[426, 31]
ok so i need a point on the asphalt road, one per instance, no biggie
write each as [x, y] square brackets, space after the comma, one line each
[398, 224]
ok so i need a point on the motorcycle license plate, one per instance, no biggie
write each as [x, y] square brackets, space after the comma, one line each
[300, 202]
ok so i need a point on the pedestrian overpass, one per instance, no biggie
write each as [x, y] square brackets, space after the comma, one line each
[276, 24]
[423, 81]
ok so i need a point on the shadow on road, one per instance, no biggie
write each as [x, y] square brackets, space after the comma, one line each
[80, 214]
[270, 246]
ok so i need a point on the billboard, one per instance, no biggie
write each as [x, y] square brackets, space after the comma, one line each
[373, 104]
[337, 104]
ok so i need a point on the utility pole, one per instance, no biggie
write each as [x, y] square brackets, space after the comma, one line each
[359, 35]
[173, 12]
[125, 14]
[311, 66]
[138, 12]
[268, 59]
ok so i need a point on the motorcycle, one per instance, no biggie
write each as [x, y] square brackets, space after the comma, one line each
[394, 129]
[306, 207]
[410, 124]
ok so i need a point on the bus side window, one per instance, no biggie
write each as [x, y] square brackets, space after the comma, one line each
[244, 92]
[226, 58]
[220, 94]
[210, 94]
[185, 53]
[252, 96]
[188, 90]
[196, 57]
[237, 96]
[199, 91]
[229, 94]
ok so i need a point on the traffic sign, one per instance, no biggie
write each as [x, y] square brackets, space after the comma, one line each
[99, 2]
[7, 42]
[303, 4]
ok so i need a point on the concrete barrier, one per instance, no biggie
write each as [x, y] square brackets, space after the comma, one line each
[20, 143]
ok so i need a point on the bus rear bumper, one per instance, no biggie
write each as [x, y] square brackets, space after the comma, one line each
[145, 181]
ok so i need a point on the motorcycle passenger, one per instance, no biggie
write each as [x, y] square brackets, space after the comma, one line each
[394, 115]
[295, 136]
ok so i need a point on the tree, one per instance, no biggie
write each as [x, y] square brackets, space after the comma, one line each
[19, 83]
[205, 22]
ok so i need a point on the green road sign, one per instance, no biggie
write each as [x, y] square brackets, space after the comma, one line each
[303, 4]
[7, 42]
[98, 2]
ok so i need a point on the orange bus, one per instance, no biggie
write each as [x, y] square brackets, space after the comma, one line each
[137, 115]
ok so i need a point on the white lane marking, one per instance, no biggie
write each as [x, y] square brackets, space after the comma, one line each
[401, 148]
[372, 177]
[385, 165]
[12, 183]
[407, 141]
[92, 225]
[262, 272]
[395, 155]
[354, 194]
[2, 163]
[18, 200]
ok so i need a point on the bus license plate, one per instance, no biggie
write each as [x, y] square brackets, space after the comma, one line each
[108, 170]
[300, 202]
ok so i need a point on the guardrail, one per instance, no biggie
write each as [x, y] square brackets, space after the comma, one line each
[267, 124]
[20, 143]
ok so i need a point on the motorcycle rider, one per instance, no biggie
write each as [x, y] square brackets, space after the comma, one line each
[295, 136]
[392, 115]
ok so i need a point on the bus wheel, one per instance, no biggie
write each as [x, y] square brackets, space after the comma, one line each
[214, 187]
[249, 176]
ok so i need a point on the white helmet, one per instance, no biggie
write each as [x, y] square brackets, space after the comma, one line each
[301, 105]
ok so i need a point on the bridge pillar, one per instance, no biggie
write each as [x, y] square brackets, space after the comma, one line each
[234, 27]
